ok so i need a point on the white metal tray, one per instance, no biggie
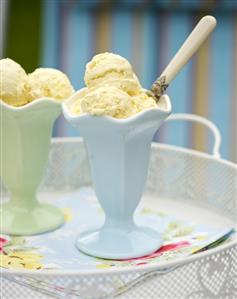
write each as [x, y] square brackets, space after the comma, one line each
[188, 185]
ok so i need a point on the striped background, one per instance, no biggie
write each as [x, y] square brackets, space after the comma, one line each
[66, 34]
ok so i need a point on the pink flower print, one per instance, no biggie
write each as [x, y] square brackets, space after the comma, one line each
[165, 248]
[173, 246]
[3, 241]
[168, 247]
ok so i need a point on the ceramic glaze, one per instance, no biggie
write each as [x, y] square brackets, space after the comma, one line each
[25, 137]
[119, 152]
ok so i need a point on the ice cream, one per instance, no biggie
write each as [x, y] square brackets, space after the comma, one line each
[47, 82]
[17, 88]
[111, 69]
[112, 89]
[14, 87]
[143, 101]
[99, 102]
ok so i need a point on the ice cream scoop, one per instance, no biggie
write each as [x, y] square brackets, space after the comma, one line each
[108, 100]
[112, 89]
[14, 87]
[111, 69]
[50, 83]
[112, 101]
[142, 100]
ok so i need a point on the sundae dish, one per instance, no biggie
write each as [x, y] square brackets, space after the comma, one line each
[17, 88]
[112, 89]
[27, 120]
[118, 148]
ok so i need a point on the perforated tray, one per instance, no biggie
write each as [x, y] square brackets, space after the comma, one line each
[187, 184]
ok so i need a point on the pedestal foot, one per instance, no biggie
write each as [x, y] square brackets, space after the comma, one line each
[41, 218]
[119, 244]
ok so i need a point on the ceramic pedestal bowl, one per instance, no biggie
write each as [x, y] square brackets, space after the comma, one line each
[25, 139]
[119, 151]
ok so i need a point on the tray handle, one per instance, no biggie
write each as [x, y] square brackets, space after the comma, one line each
[207, 123]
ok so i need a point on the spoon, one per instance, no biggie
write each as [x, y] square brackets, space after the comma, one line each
[190, 46]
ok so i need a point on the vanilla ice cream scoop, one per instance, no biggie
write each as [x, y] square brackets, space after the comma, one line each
[107, 100]
[14, 87]
[111, 69]
[112, 89]
[143, 101]
[52, 83]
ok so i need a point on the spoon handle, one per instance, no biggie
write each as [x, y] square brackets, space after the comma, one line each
[199, 34]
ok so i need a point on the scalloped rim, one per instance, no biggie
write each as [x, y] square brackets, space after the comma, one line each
[30, 104]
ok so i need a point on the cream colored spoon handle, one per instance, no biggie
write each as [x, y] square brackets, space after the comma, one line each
[199, 34]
